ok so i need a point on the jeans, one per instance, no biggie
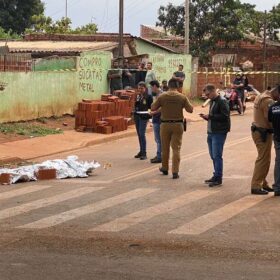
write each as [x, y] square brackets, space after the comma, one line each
[216, 143]
[277, 167]
[156, 127]
[141, 126]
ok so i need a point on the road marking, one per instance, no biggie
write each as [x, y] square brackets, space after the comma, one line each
[212, 219]
[44, 202]
[22, 191]
[148, 213]
[191, 156]
[88, 209]
[88, 181]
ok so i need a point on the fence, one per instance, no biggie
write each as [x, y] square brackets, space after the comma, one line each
[220, 78]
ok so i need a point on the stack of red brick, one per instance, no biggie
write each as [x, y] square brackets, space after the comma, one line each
[106, 116]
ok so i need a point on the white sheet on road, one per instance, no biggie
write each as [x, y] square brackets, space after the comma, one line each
[65, 168]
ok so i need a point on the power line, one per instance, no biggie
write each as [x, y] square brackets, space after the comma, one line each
[127, 9]
[115, 21]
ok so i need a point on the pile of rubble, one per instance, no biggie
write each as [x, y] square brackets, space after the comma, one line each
[109, 115]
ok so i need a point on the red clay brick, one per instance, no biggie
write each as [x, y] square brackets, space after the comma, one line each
[5, 178]
[46, 174]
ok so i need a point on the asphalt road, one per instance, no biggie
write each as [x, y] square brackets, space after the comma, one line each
[130, 222]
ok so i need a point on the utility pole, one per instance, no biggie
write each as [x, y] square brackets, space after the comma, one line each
[187, 26]
[264, 50]
[264, 40]
[121, 15]
[66, 8]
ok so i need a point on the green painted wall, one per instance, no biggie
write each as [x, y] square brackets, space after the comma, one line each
[165, 65]
[55, 63]
[54, 93]
[44, 94]
[143, 47]
[92, 74]
[37, 94]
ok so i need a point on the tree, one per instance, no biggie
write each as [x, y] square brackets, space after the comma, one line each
[43, 24]
[8, 35]
[15, 15]
[214, 21]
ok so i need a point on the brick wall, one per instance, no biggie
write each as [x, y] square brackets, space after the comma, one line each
[259, 81]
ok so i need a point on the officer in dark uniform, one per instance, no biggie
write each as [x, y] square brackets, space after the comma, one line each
[172, 104]
[274, 118]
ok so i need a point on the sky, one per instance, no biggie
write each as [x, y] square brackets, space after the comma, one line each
[105, 12]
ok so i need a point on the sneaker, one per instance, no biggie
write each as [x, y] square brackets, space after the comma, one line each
[210, 180]
[138, 155]
[175, 176]
[155, 160]
[164, 172]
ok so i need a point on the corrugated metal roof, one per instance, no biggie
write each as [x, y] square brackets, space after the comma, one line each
[57, 46]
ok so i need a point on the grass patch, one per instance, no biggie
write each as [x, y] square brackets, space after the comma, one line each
[27, 129]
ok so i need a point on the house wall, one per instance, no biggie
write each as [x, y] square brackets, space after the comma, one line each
[55, 63]
[30, 95]
[49, 93]
[165, 65]
[143, 47]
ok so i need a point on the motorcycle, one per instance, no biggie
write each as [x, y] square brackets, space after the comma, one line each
[231, 95]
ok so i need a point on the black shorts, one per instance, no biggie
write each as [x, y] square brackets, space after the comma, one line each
[240, 95]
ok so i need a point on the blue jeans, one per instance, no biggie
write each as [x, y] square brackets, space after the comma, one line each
[156, 127]
[141, 126]
[216, 143]
[276, 186]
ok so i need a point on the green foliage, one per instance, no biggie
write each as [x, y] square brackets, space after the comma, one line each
[8, 35]
[15, 15]
[214, 21]
[27, 129]
[43, 24]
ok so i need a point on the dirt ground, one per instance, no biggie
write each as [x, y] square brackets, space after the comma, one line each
[64, 123]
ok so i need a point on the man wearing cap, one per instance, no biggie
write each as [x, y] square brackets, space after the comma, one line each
[172, 104]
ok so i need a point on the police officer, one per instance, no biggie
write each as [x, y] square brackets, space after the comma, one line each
[262, 137]
[274, 118]
[172, 104]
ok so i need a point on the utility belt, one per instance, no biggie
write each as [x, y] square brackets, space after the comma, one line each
[262, 131]
[184, 122]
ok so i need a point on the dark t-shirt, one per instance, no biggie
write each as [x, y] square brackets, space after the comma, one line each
[115, 83]
[180, 74]
[140, 76]
[128, 81]
[238, 82]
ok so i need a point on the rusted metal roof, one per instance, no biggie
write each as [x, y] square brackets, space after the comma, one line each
[57, 46]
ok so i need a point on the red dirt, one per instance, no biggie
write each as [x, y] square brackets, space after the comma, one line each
[64, 123]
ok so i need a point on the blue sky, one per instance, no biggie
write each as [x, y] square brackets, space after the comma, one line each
[105, 12]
